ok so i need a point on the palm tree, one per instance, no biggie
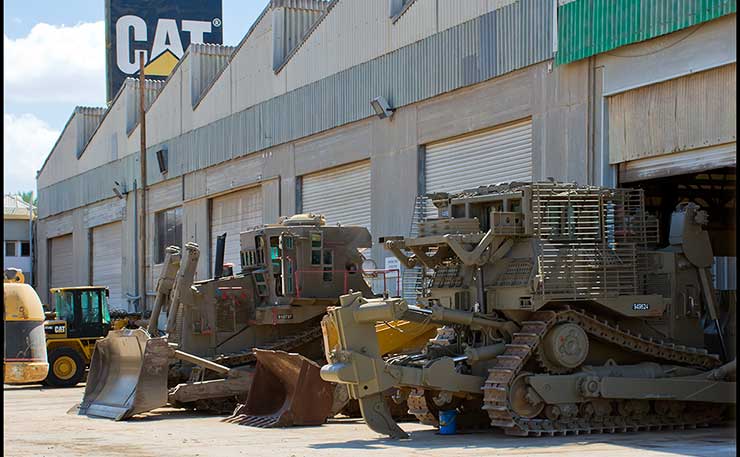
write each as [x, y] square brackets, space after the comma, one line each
[28, 197]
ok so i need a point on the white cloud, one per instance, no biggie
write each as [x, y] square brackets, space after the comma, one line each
[27, 141]
[56, 64]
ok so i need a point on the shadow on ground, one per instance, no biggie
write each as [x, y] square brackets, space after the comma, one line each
[32, 386]
[495, 439]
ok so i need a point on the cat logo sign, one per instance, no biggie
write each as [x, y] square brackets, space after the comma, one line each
[161, 30]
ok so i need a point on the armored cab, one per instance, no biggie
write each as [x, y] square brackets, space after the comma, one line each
[289, 273]
[562, 313]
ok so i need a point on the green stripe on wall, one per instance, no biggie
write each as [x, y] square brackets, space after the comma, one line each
[589, 27]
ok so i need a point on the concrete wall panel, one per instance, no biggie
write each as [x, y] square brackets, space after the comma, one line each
[164, 195]
[164, 117]
[499, 101]
[195, 229]
[15, 230]
[271, 210]
[235, 174]
[333, 148]
[104, 212]
[697, 48]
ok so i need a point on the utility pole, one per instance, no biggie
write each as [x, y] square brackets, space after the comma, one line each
[30, 241]
[142, 208]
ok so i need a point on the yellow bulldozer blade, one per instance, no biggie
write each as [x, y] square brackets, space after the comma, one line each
[393, 337]
[286, 390]
[128, 375]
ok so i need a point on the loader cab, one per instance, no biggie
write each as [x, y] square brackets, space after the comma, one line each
[80, 312]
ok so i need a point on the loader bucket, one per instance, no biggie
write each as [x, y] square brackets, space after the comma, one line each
[128, 375]
[286, 390]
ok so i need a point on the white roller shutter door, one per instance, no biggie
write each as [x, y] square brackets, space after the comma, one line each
[62, 262]
[502, 154]
[108, 261]
[341, 194]
[232, 214]
[499, 155]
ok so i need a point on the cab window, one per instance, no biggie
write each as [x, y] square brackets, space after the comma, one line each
[260, 250]
[64, 305]
[316, 248]
[90, 303]
[106, 311]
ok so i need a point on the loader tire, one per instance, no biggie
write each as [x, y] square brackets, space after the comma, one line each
[66, 367]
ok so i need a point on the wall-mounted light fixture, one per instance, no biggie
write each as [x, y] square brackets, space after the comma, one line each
[119, 189]
[381, 107]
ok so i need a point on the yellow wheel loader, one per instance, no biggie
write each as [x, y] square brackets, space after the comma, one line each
[80, 319]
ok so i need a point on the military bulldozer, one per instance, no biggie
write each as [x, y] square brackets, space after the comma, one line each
[205, 359]
[560, 313]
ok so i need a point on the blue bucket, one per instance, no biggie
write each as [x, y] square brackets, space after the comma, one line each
[447, 422]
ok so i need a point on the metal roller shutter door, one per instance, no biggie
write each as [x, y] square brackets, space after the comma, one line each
[107, 262]
[502, 154]
[341, 194]
[62, 262]
[232, 214]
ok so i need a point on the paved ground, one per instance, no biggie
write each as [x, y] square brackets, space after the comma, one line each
[36, 423]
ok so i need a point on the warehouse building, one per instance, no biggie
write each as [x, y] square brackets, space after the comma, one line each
[19, 219]
[480, 91]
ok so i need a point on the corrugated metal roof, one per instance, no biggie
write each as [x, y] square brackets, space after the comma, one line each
[514, 36]
[15, 208]
[312, 5]
[308, 33]
[234, 52]
[152, 89]
[206, 62]
[406, 5]
[589, 27]
[291, 21]
[89, 119]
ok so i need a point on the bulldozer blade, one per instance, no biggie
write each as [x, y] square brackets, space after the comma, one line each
[128, 375]
[378, 417]
[286, 390]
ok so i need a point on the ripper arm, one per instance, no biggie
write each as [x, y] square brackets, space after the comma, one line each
[183, 281]
[164, 286]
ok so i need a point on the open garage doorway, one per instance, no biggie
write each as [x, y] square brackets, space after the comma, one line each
[715, 192]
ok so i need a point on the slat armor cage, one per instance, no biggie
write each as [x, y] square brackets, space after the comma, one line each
[592, 241]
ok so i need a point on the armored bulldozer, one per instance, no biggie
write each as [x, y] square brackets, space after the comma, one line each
[290, 272]
[560, 313]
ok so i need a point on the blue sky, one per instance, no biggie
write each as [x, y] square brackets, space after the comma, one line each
[54, 60]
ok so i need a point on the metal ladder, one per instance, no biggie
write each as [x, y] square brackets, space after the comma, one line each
[413, 277]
